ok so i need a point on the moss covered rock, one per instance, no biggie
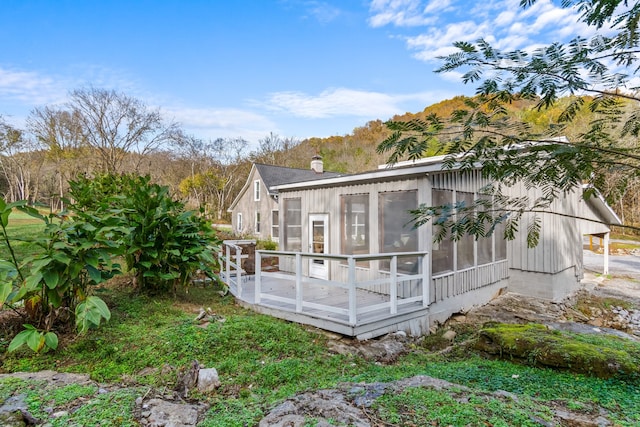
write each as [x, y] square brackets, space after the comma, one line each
[603, 355]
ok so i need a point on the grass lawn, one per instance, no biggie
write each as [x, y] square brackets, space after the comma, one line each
[21, 226]
[262, 361]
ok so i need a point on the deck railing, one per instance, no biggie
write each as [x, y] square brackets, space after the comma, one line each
[389, 279]
[230, 259]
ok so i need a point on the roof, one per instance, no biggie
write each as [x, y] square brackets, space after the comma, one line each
[273, 176]
[602, 208]
[385, 172]
[425, 166]
[405, 168]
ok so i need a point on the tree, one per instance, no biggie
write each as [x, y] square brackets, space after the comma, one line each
[19, 163]
[509, 150]
[217, 168]
[61, 132]
[274, 150]
[115, 124]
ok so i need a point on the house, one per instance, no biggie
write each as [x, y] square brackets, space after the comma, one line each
[347, 239]
[255, 210]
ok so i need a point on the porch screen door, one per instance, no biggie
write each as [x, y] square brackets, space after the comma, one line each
[319, 238]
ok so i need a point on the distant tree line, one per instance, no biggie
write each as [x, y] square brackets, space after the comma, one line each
[102, 131]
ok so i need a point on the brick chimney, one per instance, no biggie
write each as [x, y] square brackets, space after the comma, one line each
[316, 164]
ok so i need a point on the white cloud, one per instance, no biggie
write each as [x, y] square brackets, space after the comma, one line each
[401, 13]
[438, 42]
[221, 122]
[331, 103]
[436, 6]
[452, 76]
[323, 12]
[29, 87]
[341, 102]
[503, 22]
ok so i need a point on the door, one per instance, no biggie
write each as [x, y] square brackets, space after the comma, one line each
[319, 238]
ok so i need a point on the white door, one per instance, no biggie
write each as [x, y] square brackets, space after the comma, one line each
[319, 238]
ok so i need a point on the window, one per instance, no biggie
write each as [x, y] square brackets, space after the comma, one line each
[256, 190]
[397, 233]
[292, 225]
[500, 242]
[257, 227]
[485, 244]
[239, 223]
[354, 224]
[464, 246]
[442, 253]
[275, 225]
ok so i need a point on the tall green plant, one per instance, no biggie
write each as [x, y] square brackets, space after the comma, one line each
[163, 244]
[53, 285]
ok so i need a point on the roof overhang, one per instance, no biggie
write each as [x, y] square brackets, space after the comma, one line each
[384, 173]
[602, 208]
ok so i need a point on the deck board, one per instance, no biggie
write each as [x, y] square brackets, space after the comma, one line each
[368, 324]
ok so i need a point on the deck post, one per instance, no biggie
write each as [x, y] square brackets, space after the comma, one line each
[393, 292]
[605, 269]
[239, 270]
[227, 263]
[352, 291]
[258, 285]
[426, 279]
[298, 283]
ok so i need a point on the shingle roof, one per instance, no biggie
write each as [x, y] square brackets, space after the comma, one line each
[279, 175]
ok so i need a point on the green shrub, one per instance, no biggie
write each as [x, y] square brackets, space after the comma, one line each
[268, 245]
[163, 244]
[54, 283]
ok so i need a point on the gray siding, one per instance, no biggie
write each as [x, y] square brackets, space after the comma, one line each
[560, 244]
[327, 201]
[248, 207]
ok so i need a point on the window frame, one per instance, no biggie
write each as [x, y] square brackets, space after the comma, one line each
[256, 190]
[290, 225]
[346, 210]
[446, 246]
[408, 236]
[239, 222]
[275, 224]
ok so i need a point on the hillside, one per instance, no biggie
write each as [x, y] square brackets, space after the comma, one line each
[357, 152]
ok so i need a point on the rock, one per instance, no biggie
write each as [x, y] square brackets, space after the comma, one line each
[12, 419]
[449, 335]
[459, 318]
[572, 419]
[385, 350]
[327, 407]
[169, 414]
[339, 347]
[14, 412]
[200, 315]
[187, 378]
[596, 322]
[208, 380]
[364, 396]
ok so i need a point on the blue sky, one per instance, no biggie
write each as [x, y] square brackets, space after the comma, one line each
[222, 68]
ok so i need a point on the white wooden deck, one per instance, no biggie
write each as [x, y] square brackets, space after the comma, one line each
[374, 318]
[353, 308]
